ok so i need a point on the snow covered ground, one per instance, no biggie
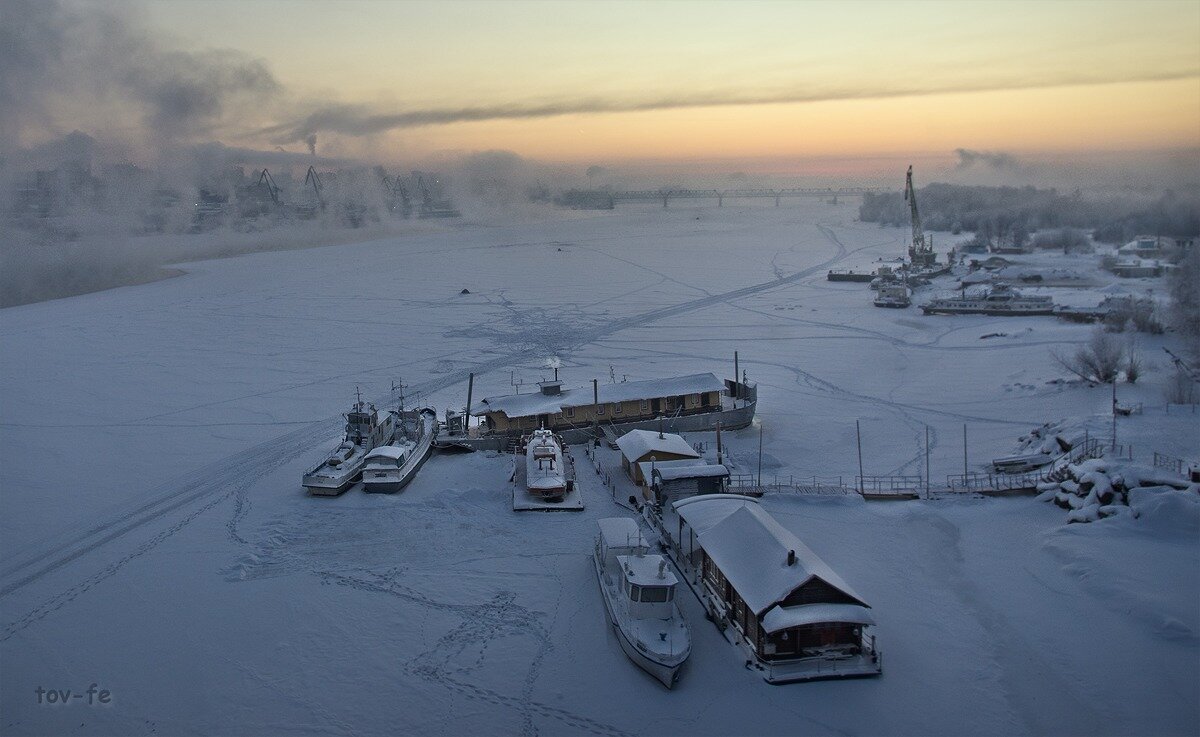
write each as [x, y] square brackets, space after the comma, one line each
[156, 540]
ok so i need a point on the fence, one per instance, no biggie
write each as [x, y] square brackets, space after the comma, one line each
[1169, 462]
[747, 483]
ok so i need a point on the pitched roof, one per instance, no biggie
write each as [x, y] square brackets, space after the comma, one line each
[751, 549]
[785, 617]
[637, 444]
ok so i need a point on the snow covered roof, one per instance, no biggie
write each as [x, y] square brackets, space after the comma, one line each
[620, 532]
[637, 444]
[387, 451]
[783, 617]
[673, 472]
[536, 403]
[751, 549]
[643, 570]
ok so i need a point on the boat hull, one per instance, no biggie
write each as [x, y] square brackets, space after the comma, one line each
[329, 485]
[729, 419]
[665, 673]
[932, 310]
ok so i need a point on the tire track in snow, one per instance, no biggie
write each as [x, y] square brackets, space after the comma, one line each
[257, 462]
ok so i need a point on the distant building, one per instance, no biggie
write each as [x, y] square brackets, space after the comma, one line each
[1137, 268]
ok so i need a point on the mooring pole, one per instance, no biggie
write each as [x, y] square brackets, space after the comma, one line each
[595, 411]
[736, 375]
[760, 434]
[467, 415]
[964, 451]
[858, 434]
[927, 460]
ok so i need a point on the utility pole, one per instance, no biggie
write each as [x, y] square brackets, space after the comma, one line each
[858, 433]
[927, 461]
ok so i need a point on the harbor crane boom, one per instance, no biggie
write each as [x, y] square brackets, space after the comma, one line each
[920, 253]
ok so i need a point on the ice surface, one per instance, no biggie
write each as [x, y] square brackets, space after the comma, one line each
[156, 540]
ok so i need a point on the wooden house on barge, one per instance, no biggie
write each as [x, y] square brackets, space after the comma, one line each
[683, 403]
[796, 618]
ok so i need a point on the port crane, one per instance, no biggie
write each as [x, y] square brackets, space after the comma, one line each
[920, 253]
[266, 179]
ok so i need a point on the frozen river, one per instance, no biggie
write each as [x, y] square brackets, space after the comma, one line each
[156, 540]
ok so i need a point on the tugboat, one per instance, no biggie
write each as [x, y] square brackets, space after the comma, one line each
[1001, 299]
[545, 474]
[389, 468]
[366, 429]
[639, 594]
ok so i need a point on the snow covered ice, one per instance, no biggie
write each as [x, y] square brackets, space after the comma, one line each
[156, 540]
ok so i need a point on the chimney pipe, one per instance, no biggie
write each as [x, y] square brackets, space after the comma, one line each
[791, 558]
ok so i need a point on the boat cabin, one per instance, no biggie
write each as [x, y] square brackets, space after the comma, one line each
[649, 584]
[388, 456]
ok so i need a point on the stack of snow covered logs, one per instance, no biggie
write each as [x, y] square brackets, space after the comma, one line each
[1097, 488]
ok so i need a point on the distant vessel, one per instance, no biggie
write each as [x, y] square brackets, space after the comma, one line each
[639, 594]
[389, 468]
[366, 429]
[1001, 299]
[893, 295]
[545, 473]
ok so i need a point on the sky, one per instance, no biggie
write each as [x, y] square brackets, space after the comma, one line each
[759, 85]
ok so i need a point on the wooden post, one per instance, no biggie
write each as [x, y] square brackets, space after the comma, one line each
[927, 460]
[467, 414]
[596, 410]
[965, 451]
[760, 438]
[858, 434]
[719, 442]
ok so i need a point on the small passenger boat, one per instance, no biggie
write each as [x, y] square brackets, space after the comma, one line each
[639, 594]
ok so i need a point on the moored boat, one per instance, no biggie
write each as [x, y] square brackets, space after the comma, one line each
[389, 468]
[1001, 300]
[893, 295]
[366, 429]
[545, 472]
[639, 594]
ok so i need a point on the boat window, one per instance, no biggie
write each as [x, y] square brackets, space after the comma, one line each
[654, 594]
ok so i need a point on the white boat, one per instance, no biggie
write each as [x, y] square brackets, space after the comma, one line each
[1001, 299]
[893, 295]
[545, 472]
[639, 594]
[389, 468]
[366, 429]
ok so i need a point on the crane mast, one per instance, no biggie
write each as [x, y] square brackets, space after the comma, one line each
[920, 253]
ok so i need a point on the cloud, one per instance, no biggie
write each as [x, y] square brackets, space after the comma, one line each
[361, 120]
[968, 158]
[94, 63]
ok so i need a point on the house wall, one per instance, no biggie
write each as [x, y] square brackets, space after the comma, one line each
[608, 412]
[789, 643]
